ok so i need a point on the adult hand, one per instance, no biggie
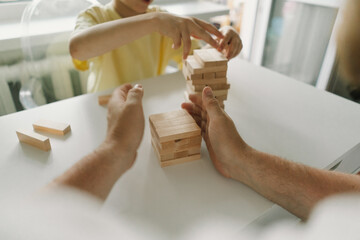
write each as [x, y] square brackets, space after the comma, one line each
[224, 143]
[180, 29]
[231, 44]
[125, 123]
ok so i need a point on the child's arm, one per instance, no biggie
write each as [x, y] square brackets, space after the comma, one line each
[105, 37]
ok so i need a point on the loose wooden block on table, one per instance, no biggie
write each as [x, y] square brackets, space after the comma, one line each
[34, 139]
[51, 127]
[194, 67]
[103, 100]
[210, 57]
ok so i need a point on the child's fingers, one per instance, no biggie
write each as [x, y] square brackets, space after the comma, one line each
[209, 27]
[186, 43]
[201, 33]
[231, 50]
[225, 41]
[237, 50]
[176, 40]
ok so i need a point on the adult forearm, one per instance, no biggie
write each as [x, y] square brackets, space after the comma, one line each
[108, 36]
[296, 187]
[96, 173]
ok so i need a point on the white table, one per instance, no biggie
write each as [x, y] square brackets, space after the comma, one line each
[272, 112]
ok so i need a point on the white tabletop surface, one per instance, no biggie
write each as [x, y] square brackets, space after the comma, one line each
[272, 112]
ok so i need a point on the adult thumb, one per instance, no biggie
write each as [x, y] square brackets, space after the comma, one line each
[210, 103]
[135, 95]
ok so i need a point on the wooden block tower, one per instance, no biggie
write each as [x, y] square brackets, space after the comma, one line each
[176, 138]
[207, 67]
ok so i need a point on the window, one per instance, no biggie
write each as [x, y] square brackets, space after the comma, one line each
[12, 1]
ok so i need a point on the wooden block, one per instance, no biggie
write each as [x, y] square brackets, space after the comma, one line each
[195, 140]
[169, 115]
[34, 139]
[175, 135]
[171, 162]
[189, 76]
[173, 155]
[191, 89]
[200, 87]
[103, 100]
[220, 74]
[181, 154]
[210, 81]
[194, 151]
[210, 75]
[180, 160]
[178, 132]
[51, 127]
[221, 97]
[177, 146]
[161, 157]
[176, 121]
[210, 57]
[195, 68]
[174, 125]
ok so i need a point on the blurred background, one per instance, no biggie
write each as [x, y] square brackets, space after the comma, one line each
[296, 38]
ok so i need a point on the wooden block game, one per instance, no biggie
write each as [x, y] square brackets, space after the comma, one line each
[51, 127]
[207, 67]
[176, 138]
[34, 139]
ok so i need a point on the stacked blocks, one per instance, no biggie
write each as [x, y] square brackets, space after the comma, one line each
[207, 67]
[176, 138]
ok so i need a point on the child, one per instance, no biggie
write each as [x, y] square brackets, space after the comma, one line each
[126, 41]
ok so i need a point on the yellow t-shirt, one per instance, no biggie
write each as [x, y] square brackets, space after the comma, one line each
[143, 58]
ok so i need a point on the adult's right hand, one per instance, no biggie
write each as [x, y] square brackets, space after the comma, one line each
[179, 29]
[226, 148]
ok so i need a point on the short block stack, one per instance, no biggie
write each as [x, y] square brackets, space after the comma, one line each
[207, 67]
[176, 137]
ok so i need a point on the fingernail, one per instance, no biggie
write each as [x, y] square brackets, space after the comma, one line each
[208, 92]
[138, 86]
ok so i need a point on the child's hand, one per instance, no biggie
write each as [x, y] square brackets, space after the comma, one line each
[180, 29]
[231, 43]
